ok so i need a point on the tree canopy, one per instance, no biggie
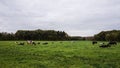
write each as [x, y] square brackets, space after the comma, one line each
[35, 35]
[113, 35]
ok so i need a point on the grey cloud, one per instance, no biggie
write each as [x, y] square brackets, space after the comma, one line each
[76, 17]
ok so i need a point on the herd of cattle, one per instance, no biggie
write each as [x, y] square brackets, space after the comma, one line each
[102, 45]
[30, 42]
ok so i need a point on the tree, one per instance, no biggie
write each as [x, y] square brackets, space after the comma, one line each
[113, 35]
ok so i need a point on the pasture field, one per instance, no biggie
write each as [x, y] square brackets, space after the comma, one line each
[57, 54]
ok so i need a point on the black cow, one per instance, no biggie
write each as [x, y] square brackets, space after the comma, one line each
[21, 43]
[112, 43]
[94, 42]
[38, 43]
[45, 43]
[33, 43]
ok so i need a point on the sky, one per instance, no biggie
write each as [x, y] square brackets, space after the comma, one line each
[76, 17]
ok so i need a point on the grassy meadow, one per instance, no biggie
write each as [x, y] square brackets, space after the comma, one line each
[57, 54]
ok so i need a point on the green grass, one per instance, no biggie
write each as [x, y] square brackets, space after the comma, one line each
[80, 54]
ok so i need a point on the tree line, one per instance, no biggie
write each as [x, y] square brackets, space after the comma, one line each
[35, 35]
[113, 35]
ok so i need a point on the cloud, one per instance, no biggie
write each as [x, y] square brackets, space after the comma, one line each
[76, 17]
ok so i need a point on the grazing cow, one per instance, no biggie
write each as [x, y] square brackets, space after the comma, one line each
[112, 43]
[33, 43]
[45, 43]
[21, 43]
[29, 41]
[94, 42]
[38, 43]
[104, 45]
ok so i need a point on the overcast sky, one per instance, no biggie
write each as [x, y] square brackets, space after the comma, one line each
[76, 17]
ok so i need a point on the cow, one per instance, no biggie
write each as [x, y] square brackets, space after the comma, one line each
[33, 43]
[38, 43]
[29, 41]
[45, 43]
[105, 45]
[112, 43]
[94, 42]
[21, 43]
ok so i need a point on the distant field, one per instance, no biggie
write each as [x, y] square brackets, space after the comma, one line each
[77, 54]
